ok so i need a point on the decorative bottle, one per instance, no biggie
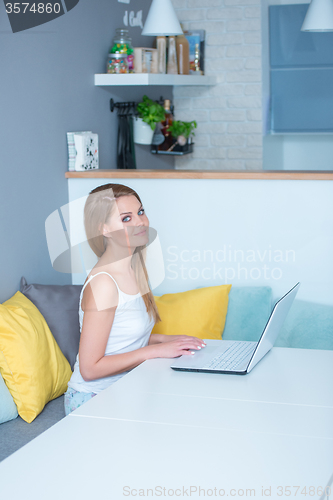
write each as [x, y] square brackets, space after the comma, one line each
[168, 141]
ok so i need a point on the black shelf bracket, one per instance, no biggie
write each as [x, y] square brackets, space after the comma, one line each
[129, 108]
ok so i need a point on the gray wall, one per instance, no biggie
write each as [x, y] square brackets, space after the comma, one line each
[47, 89]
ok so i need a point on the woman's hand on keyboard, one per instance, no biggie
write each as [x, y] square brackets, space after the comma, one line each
[184, 344]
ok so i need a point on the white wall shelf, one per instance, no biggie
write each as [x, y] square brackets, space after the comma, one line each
[104, 79]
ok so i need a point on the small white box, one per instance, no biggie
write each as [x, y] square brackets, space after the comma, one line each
[145, 60]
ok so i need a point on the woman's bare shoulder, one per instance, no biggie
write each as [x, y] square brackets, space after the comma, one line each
[100, 293]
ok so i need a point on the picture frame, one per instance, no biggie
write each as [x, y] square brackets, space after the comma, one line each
[194, 37]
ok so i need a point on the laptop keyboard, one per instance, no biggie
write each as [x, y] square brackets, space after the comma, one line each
[232, 357]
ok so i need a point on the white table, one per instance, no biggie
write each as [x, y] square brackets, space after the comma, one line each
[160, 428]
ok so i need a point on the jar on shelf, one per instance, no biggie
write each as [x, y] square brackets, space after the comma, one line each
[122, 45]
[117, 64]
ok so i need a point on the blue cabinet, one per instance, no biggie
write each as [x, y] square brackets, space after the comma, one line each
[301, 73]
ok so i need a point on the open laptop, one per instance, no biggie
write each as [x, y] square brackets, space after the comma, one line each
[239, 357]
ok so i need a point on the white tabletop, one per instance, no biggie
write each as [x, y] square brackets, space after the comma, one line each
[91, 458]
[287, 376]
[214, 413]
[158, 427]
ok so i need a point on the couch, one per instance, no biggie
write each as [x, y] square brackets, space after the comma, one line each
[307, 326]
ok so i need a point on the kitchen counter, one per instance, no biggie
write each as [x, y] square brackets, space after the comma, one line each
[201, 174]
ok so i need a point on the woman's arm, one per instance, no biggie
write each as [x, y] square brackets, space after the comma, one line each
[98, 318]
[156, 338]
[98, 296]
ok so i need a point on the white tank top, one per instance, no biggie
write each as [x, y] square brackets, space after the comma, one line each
[131, 329]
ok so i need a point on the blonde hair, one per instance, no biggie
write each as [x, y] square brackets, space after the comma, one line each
[97, 211]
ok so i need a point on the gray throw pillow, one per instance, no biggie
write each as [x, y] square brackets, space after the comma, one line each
[59, 304]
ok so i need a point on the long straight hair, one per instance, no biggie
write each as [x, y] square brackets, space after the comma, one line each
[97, 211]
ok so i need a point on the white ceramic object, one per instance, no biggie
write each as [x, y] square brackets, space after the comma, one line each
[143, 133]
[162, 20]
[82, 151]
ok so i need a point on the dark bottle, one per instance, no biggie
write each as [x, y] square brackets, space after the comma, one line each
[169, 140]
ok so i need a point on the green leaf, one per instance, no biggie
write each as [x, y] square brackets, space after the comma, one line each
[150, 111]
[186, 129]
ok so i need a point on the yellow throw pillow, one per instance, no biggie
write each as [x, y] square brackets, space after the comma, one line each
[31, 362]
[198, 313]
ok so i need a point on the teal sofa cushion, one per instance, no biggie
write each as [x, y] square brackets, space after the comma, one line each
[249, 308]
[308, 326]
[8, 410]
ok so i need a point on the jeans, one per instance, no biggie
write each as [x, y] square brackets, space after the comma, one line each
[73, 399]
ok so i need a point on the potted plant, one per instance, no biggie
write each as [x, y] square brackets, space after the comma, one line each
[149, 113]
[182, 133]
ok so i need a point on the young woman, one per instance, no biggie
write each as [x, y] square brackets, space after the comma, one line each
[117, 310]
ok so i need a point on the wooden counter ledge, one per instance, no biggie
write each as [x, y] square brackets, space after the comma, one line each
[201, 174]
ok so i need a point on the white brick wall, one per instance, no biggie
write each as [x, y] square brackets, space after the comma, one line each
[229, 115]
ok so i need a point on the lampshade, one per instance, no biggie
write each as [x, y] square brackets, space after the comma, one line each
[162, 19]
[319, 16]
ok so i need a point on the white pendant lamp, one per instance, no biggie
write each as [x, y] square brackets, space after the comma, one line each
[319, 16]
[162, 20]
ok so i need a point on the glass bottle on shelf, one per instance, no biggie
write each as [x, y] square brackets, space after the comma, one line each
[169, 140]
[122, 45]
